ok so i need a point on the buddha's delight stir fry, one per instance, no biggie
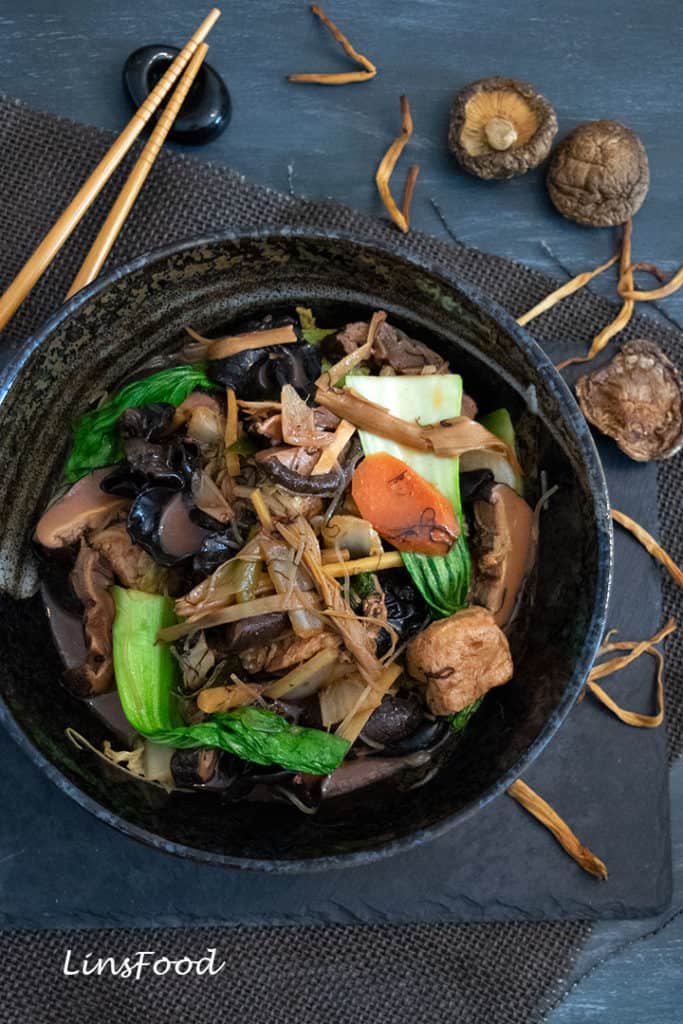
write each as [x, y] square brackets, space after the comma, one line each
[284, 563]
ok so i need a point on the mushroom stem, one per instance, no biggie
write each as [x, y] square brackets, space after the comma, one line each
[500, 133]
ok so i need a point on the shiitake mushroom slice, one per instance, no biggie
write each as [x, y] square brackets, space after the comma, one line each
[396, 718]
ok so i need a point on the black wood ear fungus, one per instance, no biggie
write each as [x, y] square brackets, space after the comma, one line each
[599, 175]
[500, 127]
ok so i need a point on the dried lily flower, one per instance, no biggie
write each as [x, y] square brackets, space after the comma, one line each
[565, 290]
[231, 418]
[650, 268]
[625, 288]
[623, 316]
[370, 563]
[638, 400]
[351, 359]
[400, 217]
[345, 621]
[636, 648]
[369, 69]
[233, 344]
[650, 544]
[634, 718]
[543, 812]
[627, 291]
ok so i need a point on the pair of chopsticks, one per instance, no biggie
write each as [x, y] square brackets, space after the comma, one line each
[186, 64]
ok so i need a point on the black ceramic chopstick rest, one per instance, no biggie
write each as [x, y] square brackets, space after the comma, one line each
[206, 111]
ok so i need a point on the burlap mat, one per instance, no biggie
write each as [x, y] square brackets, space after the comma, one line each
[476, 973]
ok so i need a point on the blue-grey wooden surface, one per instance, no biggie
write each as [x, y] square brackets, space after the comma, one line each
[592, 58]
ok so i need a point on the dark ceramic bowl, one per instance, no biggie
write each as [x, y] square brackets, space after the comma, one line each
[112, 328]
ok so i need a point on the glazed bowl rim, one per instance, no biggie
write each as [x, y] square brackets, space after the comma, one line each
[596, 483]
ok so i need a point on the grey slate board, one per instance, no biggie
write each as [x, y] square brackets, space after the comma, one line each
[60, 867]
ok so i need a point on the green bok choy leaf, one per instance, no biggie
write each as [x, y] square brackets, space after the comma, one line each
[460, 719]
[309, 328]
[96, 441]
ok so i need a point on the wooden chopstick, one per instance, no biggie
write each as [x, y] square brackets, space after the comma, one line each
[108, 233]
[64, 226]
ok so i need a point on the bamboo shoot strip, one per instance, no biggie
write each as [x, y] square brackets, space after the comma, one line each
[371, 563]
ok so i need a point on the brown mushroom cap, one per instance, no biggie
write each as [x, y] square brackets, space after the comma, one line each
[637, 400]
[91, 579]
[599, 175]
[500, 127]
[131, 564]
[84, 507]
[504, 549]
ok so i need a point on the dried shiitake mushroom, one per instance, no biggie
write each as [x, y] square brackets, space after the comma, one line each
[500, 127]
[637, 400]
[599, 174]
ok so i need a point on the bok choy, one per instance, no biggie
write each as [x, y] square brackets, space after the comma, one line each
[96, 441]
[460, 719]
[146, 677]
[443, 580]
[500, 424]
[309, 328]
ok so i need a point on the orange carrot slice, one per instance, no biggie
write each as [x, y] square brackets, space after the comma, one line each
[403, 507]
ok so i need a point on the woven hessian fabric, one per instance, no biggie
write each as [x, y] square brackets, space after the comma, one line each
[493, 973]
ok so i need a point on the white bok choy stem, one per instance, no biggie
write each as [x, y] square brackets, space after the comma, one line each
[311, 675]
